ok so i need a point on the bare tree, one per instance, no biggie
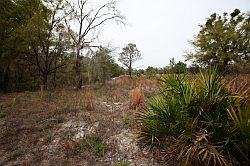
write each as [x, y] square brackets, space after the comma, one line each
[88, 21]
[129, 55]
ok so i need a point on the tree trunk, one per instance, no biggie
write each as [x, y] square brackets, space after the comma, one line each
[130, 71]
[225, 69]
[5, 80]
[1, 80]
[54, 76]
[78, 69]
[45, 80]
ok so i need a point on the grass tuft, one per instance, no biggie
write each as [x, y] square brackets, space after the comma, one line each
[136, 98]
[89, 100]
[99, 150]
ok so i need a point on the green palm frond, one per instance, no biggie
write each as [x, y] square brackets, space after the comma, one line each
[188, 106]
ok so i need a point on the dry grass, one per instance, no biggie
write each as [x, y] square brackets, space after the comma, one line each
[29, 124]
[89, 100]
[133, 82]
[118, 94]
[238, 83]
[122, 80]
[45, 129]
[145, 82]
[136, 97]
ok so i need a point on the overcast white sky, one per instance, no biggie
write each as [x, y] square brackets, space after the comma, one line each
[161, 28]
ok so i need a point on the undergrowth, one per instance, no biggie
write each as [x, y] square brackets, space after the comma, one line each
[210, 123]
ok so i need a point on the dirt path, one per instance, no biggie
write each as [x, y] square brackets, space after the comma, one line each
[53, 131]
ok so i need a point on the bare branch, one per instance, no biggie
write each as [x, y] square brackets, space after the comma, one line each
[70, 32]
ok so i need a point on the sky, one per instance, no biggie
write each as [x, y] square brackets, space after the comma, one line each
[161, 29]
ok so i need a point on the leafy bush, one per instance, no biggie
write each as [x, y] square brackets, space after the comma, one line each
[210, 123]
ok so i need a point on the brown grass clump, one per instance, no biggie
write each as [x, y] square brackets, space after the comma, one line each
[238, 84]
[125, 80]
[136, 98]
[197, 82]
[121, 80]
[145, 82]
[89, 100]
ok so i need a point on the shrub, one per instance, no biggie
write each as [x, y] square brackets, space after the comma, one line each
[89, 100]
[210, 122]
[136, 97]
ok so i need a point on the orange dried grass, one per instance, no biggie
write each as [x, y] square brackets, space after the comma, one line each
[136, 98]
[238, 84]
[89, 100]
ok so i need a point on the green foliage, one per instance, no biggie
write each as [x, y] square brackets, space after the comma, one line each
[99, 150]
[150, 72]
[90, 144]
[48, 136]
[105, 66]
[129, 55]
[37, 45]
[33, 41]
[180, 68]
[194, 68]
[123, 163]
[240, 117]
[10, 42]
[223, 40]
[22, 86]
[129, 120]
[176, 68]
[210, 122]
[49, 125]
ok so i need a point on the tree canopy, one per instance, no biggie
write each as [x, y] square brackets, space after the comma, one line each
[38, 45]
[47, 42]
[129, 55]
[223, 41]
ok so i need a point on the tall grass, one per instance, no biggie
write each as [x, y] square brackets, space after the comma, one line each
[136, 97]
[89, 100]
[210, 122]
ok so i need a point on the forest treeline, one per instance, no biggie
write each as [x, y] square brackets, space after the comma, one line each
[51, 43]
[54, 43]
